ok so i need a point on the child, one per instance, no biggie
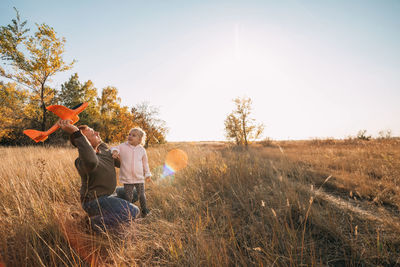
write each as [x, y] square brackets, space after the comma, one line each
[134, 166]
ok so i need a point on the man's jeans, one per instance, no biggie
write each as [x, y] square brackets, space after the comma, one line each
[107, 212]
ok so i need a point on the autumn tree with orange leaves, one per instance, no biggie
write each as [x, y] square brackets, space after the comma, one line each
[12, 110]
[32, 60]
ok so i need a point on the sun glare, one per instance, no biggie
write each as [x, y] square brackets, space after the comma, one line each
[175, 160]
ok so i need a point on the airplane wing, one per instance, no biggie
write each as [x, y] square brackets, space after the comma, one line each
[61, 111]
[37, 136]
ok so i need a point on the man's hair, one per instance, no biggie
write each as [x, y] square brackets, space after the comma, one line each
[142, 134]
[81, 128]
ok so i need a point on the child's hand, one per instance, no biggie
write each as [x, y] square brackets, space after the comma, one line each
[115, 154]
[149, 180]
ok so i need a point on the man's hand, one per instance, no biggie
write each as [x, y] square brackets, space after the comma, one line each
[67, 127]
[115, 154]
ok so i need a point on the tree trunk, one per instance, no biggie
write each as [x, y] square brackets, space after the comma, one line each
[43, 108]
[244, 130]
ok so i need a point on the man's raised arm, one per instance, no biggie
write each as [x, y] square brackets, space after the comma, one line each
[87, 155]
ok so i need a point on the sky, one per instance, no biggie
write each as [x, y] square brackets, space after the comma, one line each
[313, 69]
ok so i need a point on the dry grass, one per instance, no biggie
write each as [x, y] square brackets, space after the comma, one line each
[229, 206]
[363, 169]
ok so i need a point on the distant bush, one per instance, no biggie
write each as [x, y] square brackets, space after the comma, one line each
[267, 142]
[385, 134]
[362, 135]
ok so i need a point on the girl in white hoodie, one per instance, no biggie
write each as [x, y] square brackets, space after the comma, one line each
[134, 166]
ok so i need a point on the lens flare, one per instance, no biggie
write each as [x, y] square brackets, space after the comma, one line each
[176, 160]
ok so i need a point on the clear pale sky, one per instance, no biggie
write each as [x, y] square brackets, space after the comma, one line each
[312, 68]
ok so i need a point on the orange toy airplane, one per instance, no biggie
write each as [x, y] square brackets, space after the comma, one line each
[64, 113]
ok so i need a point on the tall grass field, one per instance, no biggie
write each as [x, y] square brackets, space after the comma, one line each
[293, 203]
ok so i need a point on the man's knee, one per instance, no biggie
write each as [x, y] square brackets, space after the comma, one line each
[126, 210]
[134, 211]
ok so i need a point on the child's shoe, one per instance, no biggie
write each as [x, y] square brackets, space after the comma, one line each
[145, 213]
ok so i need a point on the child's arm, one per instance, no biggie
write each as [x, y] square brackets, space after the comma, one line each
[146, 169]
[115, 152]
[115, 155]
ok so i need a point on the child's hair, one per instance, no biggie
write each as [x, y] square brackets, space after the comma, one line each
[141, 133]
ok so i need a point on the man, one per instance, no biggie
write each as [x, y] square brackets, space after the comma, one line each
[96, 167]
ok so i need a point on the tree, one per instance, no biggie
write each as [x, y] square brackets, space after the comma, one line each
[239, 126]
[146, 117]
[109, 107]
[385, 134]
[233, 129]
[73, 92]
[123, 121]
[12, 107]
[92, 113]
[33, 60]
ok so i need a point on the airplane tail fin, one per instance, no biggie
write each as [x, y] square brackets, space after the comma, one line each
[80, 107]
[37, 136]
